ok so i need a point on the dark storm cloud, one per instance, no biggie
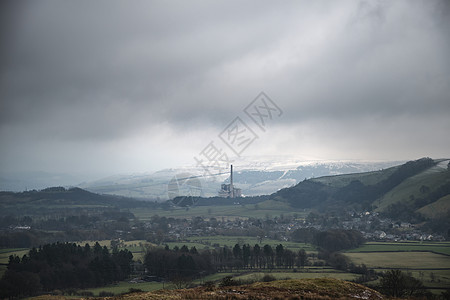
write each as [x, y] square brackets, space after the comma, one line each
[113, 66]
[101, 72]
[388, 60]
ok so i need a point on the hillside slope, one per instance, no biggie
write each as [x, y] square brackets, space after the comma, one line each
[436, 209]
[254, 175]
[415, 185]
[55, 198]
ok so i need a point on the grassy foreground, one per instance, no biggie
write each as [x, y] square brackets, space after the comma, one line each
[317, 288]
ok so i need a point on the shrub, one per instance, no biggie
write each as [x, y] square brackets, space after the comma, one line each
[227, 281]
[268, 277]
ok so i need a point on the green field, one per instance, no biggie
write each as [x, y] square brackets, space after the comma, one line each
[4, 257]
[313, 272]
[243, 211]
[433, 278]
[257, 276]
[438, 247]
[426, 261]
[431, 268]
[404, 260]
[124, 286]
[8, 251]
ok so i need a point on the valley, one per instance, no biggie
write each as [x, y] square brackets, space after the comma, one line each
[353, 227]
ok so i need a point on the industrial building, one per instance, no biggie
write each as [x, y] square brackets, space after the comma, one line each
[228, 190]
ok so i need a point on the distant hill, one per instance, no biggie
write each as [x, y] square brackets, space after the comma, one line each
[421, 186]
[57, 198]
[254, 175]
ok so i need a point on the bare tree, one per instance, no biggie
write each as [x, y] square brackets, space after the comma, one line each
[395, 283]
[181, 282]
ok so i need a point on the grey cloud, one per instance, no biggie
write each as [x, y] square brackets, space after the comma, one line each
[95, 72]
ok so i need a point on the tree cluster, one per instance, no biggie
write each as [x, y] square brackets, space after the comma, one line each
[63, 266]
[71, 227]
[248, 257]
[330, 240]
[336, 239]
[177, 263]
[189, 263]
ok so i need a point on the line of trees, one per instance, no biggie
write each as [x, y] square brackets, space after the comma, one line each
[264, 257]
[63, 266]
[184, 262]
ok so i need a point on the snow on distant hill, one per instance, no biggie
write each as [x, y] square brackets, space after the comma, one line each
[255, 176]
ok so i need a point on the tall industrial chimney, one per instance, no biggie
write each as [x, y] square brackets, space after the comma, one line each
[231, 183]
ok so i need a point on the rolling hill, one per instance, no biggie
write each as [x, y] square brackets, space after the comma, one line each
[421, 186]
[59, 198]
[254, 175]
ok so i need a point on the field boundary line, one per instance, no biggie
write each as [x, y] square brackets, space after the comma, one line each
[412, 269]
[440, 253]
[391, 251]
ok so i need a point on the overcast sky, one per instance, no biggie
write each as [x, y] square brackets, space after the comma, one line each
[111, 87]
